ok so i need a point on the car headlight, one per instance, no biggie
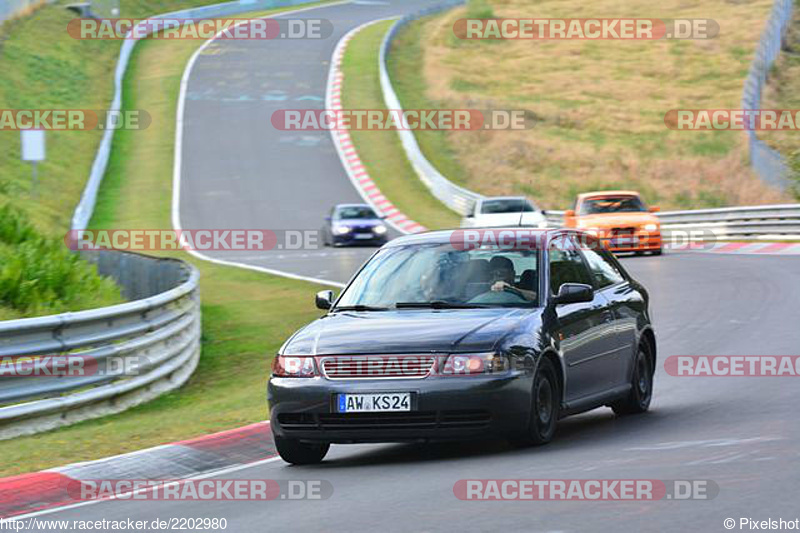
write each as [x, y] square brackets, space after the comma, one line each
[650, 227]
[341, 230]
[472, 364]
[293, 367]
[379, 230]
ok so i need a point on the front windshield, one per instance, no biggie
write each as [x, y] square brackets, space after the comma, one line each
[612, 204]
[508, 205]
[425, 274]
[355, 212]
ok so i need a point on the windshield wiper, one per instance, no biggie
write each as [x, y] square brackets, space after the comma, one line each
[359, 308]
[436, 304]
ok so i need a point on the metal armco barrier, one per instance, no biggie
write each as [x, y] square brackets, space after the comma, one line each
[138, 349]
[778, 221]
[768, 163]
[453, 196]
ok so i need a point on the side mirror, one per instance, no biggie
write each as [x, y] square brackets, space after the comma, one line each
[569, 213]
[324, 299]
[654, 209]
[573, 293]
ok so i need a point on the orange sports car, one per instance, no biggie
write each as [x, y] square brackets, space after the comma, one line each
[620, 219]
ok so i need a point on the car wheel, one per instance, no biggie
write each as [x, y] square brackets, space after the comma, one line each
[658, 252]
[545, 405]
[638, 399]
[301, 453]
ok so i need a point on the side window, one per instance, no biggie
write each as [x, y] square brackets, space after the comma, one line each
[567, 266]
[604, 271]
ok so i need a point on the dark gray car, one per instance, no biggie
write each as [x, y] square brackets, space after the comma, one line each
[446, 335]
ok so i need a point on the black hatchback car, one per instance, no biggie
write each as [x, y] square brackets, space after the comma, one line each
[456, 335]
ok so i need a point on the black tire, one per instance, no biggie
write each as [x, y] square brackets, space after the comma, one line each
[658, 252]
[638, 399]
[545, 405]
[301, 453]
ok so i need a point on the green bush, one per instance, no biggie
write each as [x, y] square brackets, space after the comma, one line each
[39, 275]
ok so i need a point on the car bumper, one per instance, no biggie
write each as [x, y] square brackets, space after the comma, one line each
[351, 240]
[442, 409]
[638, 243]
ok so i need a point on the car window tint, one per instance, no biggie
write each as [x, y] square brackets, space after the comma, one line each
[567, 266]
[612, 204]
[605, 272]
[493, 207]
[356, 212]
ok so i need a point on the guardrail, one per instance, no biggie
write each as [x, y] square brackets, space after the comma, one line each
[457, 198]
[768, 163]
[83, 213]
[131, 352]
[13, 8]
[774, 221]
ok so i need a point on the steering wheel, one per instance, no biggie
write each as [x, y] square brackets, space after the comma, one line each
[498, 297]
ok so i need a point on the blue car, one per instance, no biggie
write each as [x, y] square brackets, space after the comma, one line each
[354, 224]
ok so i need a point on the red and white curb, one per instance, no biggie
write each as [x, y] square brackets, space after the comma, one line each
[188, 459]
[352, 163]
[746, 248]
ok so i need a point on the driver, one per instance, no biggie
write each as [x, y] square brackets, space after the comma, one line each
[503, 276]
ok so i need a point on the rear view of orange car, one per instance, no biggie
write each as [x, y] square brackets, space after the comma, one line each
[620, 219]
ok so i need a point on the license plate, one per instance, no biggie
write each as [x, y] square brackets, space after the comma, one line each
[624, 241]
[363, 235]
[367, 403]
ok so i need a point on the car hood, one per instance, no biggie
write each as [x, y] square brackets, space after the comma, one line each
[616, 220]
[406, 331]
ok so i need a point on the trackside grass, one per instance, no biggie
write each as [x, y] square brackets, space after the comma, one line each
[597, 106]
[246, 315]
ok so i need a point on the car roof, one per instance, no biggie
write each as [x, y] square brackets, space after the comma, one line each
[489, 198]
[592, 194]
[443, 236]
[337, 206]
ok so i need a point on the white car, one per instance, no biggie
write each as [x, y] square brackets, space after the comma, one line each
[506, 211]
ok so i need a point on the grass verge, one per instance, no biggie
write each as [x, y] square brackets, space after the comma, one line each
[246, 315]
[597, 106]
[381, 151]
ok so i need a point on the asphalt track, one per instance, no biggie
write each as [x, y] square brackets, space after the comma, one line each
[741, 433]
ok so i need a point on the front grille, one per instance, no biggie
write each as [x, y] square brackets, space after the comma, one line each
[378, 367]
[622, 232]
[415, 420]
[362, 229]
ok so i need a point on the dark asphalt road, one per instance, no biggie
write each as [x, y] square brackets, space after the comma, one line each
[740, 432]
[239, 172]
